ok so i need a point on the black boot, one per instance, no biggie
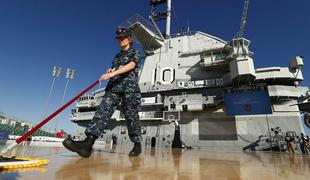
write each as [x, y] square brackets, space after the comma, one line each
[83, 148]
[136, 150]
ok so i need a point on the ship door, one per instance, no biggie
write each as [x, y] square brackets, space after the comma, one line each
[153, 142]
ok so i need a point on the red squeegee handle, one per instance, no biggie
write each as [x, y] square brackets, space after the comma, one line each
[55, 113]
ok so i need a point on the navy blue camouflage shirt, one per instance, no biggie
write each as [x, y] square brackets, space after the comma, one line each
[127, 82]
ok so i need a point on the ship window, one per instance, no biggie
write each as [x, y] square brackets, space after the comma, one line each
[172, 106]
[184, 107]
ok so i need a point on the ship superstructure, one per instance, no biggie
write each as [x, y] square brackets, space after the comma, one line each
[209, 85]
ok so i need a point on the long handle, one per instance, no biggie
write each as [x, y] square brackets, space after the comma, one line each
[11, 146]
[55, 113]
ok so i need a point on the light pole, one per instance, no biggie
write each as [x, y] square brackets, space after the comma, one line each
[56, 73]
[69, 76]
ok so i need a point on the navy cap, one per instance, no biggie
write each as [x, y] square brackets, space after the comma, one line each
[123, 32]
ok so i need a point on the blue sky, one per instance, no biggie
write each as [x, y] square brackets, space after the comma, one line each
[35, 35]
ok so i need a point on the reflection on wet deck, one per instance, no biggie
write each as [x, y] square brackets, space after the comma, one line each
[107, 163]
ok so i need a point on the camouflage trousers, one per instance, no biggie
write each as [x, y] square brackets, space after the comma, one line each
[131, 103]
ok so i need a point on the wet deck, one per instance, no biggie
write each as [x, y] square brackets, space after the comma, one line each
[114, 163]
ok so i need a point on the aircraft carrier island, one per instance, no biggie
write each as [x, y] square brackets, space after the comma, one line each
[206, 88]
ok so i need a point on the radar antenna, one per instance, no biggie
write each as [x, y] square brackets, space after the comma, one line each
[244, 19]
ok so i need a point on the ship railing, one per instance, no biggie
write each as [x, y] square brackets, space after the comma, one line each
[82, 104]
[83, 114]
[147, 115]
[190, 97]
[138, 19]
[183, 33]
[19, 124]
[85, 98]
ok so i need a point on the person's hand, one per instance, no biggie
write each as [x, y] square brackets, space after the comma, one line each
[107, 76]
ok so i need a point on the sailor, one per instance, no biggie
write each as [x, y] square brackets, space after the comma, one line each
[122, 88]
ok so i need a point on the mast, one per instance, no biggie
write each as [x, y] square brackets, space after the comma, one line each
[244, 19]
[168, 21]
[156, 16]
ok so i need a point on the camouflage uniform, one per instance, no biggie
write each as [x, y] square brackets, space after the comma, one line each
[122, 88]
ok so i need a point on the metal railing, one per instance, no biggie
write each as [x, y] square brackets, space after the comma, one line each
[19, 123]
[183, 33]
[151, 115]
[138, 19]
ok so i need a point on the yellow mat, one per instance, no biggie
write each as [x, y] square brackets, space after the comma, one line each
[13, 162]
